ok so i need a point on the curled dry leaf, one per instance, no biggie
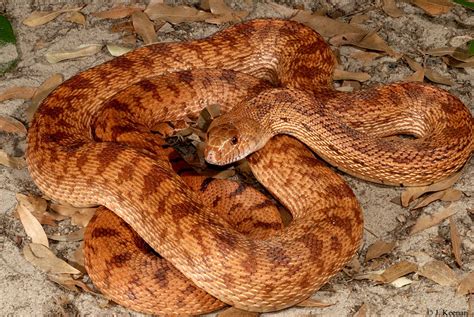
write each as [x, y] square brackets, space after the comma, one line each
[362, 311]
[12, 125]
[455, 241]
[43, 258]
[81, 51]
[325, 26]
[419, 74]
[17, 93]
[378, 249]
[224, 13]
[70, 283]
[144, 27]
[37, 206]
[391, 273]
[390, 8]
[345, 75]
[436, 77]
[412, 193]
[235, 312]
[177, 14]
[10, 161]
[449, 194]
[77, 17]
[309, 302]
[457, 53]
[434, 7]
[427, 221]
[439, 273]
[32, 226]
[369, 40]
[42, 91]
[38, 18]
[116, 13]
[116, 50]
[466, 286]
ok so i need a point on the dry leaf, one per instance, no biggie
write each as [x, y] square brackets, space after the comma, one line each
[81, 51]
[144, 27]
[466, 286]
[448, 60]
[434, 7]
[77, 17]
[70, 283]
[378, 249]
[17, 93]
[177, 14]
[116, 50]
[344, 75]
[458, 53]
[38, 18]
[37, 206]
[369, 40]
[32, 226]
[73, 236]
[10, 161]
[46, 260]
[326, 26]
[309, 302]
[235, 312]
[78, 255]
[42, 91]
[449, 194]
[224, 13]
[390, 7]
[426, 221]
[455, 241]
[116, 13]
[362, 311]
[12, 125]
[439, 273]
[365, 57]
[398, 270]
[83, 217]
[419, 74]
[436, 77]
[359, 19]
[400, 282]
[412, 193]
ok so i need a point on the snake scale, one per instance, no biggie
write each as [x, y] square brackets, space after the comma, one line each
[90, 144]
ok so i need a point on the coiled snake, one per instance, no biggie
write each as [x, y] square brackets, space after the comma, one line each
[90, 144]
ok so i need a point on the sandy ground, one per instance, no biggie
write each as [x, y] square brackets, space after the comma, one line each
[26, 291]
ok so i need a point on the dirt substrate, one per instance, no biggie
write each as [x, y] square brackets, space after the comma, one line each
[24, 290]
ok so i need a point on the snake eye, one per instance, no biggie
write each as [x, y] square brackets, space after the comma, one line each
[234, 140]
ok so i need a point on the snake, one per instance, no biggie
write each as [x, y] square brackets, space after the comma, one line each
[76, 158]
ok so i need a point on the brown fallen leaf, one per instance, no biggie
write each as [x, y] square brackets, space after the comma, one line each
[83, 216]
[224, 13]
[17, 93]
[378, 249]
[41, 92]
[359, 19]
[439, 273]
[80, 51]
[116, 50]
[419, 74]
[116, 13]
[10, 161]
[466, 286]
[31, 225]
[412, 193]
[365, 57]
[390, 8]
[72, 237]
[370, 40]
[38, 208]
[436, 77]
[455, 241]
[309, 302]
[401, 281]
[345, 75]
[144, 27]
[235, 312]
[43, 258]
[70, 283]
[326, 26]
[433, 7]
[448, 60]
[38, 18]
[427, 221]
[12, 125]
[449, 194]
[391, 273]
[77, 17]
[458, 53]
[176, 14]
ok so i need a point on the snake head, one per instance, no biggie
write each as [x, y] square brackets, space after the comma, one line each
[228, 142]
